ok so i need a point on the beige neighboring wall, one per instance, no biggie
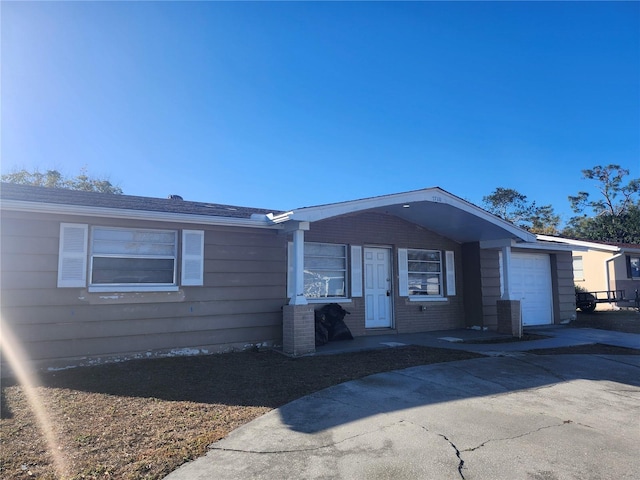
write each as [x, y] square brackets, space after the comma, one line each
[594, 268]
[605, 270]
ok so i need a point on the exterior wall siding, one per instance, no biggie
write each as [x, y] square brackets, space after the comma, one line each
[490, 278]
[564, 298]
[473, 300]
[239, 304]
[374, 229]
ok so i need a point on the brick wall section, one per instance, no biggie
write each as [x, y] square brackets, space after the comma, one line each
[298, 330]
[375, 229]
[509, 317]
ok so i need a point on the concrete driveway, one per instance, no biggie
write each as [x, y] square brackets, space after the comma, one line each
[513, 417]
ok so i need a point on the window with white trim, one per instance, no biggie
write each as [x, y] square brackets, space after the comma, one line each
[633, 266]
[325, 270]
[578, 268]
[128, 257]
[424, 271]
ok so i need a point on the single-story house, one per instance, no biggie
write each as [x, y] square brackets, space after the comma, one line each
[604, 267]
[89, 277]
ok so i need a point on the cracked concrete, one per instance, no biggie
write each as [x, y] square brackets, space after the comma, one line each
[546, 417]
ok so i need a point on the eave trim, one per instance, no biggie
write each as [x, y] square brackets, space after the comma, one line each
[105, 212]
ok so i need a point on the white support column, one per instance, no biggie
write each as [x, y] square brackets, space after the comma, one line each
[298, 297]
[506, 272]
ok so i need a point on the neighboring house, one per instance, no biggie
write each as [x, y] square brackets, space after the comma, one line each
[601, 267]
[88, 277]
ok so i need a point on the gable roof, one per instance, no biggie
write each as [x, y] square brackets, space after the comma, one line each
[433, 208]
[31, 198]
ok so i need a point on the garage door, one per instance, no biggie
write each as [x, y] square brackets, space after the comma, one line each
[531, 284]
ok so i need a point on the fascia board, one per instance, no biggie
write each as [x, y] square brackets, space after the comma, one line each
[322, 212]
[549, 246]
[104, 212]
[435, 195]
[579, 243]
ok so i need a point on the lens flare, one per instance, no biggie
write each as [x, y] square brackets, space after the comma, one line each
[17, 359]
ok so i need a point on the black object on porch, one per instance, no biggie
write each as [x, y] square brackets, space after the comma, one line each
[330, 324]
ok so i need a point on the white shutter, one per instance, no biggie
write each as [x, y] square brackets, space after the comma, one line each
[72, 255]
[192, 257]
[356, 271]
[290, 283]
[403, 273]
[451, 273]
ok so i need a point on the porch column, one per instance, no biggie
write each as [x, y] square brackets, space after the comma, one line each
[509, 309]
[298, 297]
[298, 321]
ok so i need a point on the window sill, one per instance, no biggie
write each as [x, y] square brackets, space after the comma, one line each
[329, 300]
[115, 289]
[428, 299]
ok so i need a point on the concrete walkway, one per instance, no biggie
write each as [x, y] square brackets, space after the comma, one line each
[462, 339]
[504, 416]
[547, 417]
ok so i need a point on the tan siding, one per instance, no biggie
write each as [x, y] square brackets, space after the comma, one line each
[247, 253]
[373, 229]
[38, 297]
[28, 280]
[239, 292]
[490, 277]
[564, 307]
[240, 303]
[246, 279]
[76, 331]
[22, 262]
[57, 352]
[127, 312]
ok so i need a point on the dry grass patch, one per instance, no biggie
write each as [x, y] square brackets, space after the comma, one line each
[142, 419]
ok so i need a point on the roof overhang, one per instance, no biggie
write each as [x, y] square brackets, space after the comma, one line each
[431, 208]
[586, 245]
[104, 212]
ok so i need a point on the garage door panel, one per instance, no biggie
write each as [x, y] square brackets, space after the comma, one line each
[531, 284]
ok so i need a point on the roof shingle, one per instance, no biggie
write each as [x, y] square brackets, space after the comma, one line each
[28, 193]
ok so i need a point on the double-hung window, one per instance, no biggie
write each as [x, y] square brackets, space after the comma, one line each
[578, 268]
[633, 266]
[325, 270]
[129, 257]
[424, 270]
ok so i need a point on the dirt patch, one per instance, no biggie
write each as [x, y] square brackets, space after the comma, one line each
[142, 419]
[621, 321]
[594, 349]
[527, 337]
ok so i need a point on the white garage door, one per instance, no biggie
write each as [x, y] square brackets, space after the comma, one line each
[531, 284]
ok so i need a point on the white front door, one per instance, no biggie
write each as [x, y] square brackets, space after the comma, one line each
[531, 284]
[377, 287]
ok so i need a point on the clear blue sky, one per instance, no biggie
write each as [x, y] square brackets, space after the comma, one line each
[283, 105]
